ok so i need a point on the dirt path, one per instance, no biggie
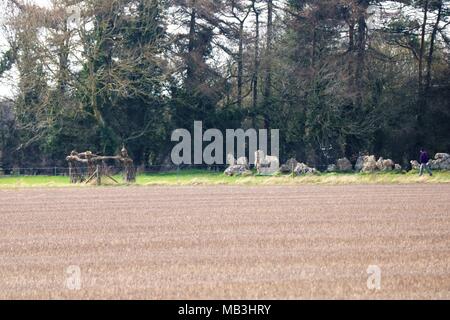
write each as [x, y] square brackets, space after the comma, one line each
[225, 242]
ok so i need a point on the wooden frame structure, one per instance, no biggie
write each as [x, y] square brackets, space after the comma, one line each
[96, 167]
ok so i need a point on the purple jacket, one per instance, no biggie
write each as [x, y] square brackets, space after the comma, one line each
[424, 158]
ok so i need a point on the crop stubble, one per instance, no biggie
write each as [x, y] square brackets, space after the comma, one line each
[221, 242]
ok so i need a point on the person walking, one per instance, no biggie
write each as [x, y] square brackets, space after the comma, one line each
[424, 159]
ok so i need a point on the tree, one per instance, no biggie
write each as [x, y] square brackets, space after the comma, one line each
[337, 77]
[268, 64]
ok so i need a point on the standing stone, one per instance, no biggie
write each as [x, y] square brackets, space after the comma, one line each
[441, 162]
[389, 165]
[380, 164]
[385, 165]
[237, 170]
[289, 166]
[442, 156]
[370, 164]
[292, 163]
[445, 165]
[242, 161]
[302, 169]
[266, 165]
[332, 168]
[359, 164]
[230, 160]
[415, 165]
[344, 165]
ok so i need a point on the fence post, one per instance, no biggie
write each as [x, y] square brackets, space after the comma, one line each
[98, 175]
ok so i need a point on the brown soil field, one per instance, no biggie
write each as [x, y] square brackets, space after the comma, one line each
[225, 242]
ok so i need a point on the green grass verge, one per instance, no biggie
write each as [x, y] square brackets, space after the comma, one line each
[201, 177]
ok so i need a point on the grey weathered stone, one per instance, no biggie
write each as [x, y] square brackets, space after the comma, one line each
[380, 164]
[230, 160]
[242, 161]
[285, 169]
[359, 163]
[385, 165]
[445, 165]
[434, 165]
[370, 164]
[389, 164]
[415, 165]
[302, 169]
[442, 156]
[332, 168]
[292, 163]
[237, 170]
[266, 165]
[397, 167]
[344, 165]
[441, 162]
[289, 166]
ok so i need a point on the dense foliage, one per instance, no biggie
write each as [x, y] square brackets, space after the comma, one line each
[337, 77]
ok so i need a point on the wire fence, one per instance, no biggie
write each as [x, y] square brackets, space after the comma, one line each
[113, 170]
[116, 170]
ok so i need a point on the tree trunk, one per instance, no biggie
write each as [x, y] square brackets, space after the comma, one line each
[256, 60]
[421, 99]
[360, 58]
[313, 49]
[268, 68]
[63, 57]
[190, 68]
[431, 52]
[240, 64]
[351, 37]
[422, 49]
